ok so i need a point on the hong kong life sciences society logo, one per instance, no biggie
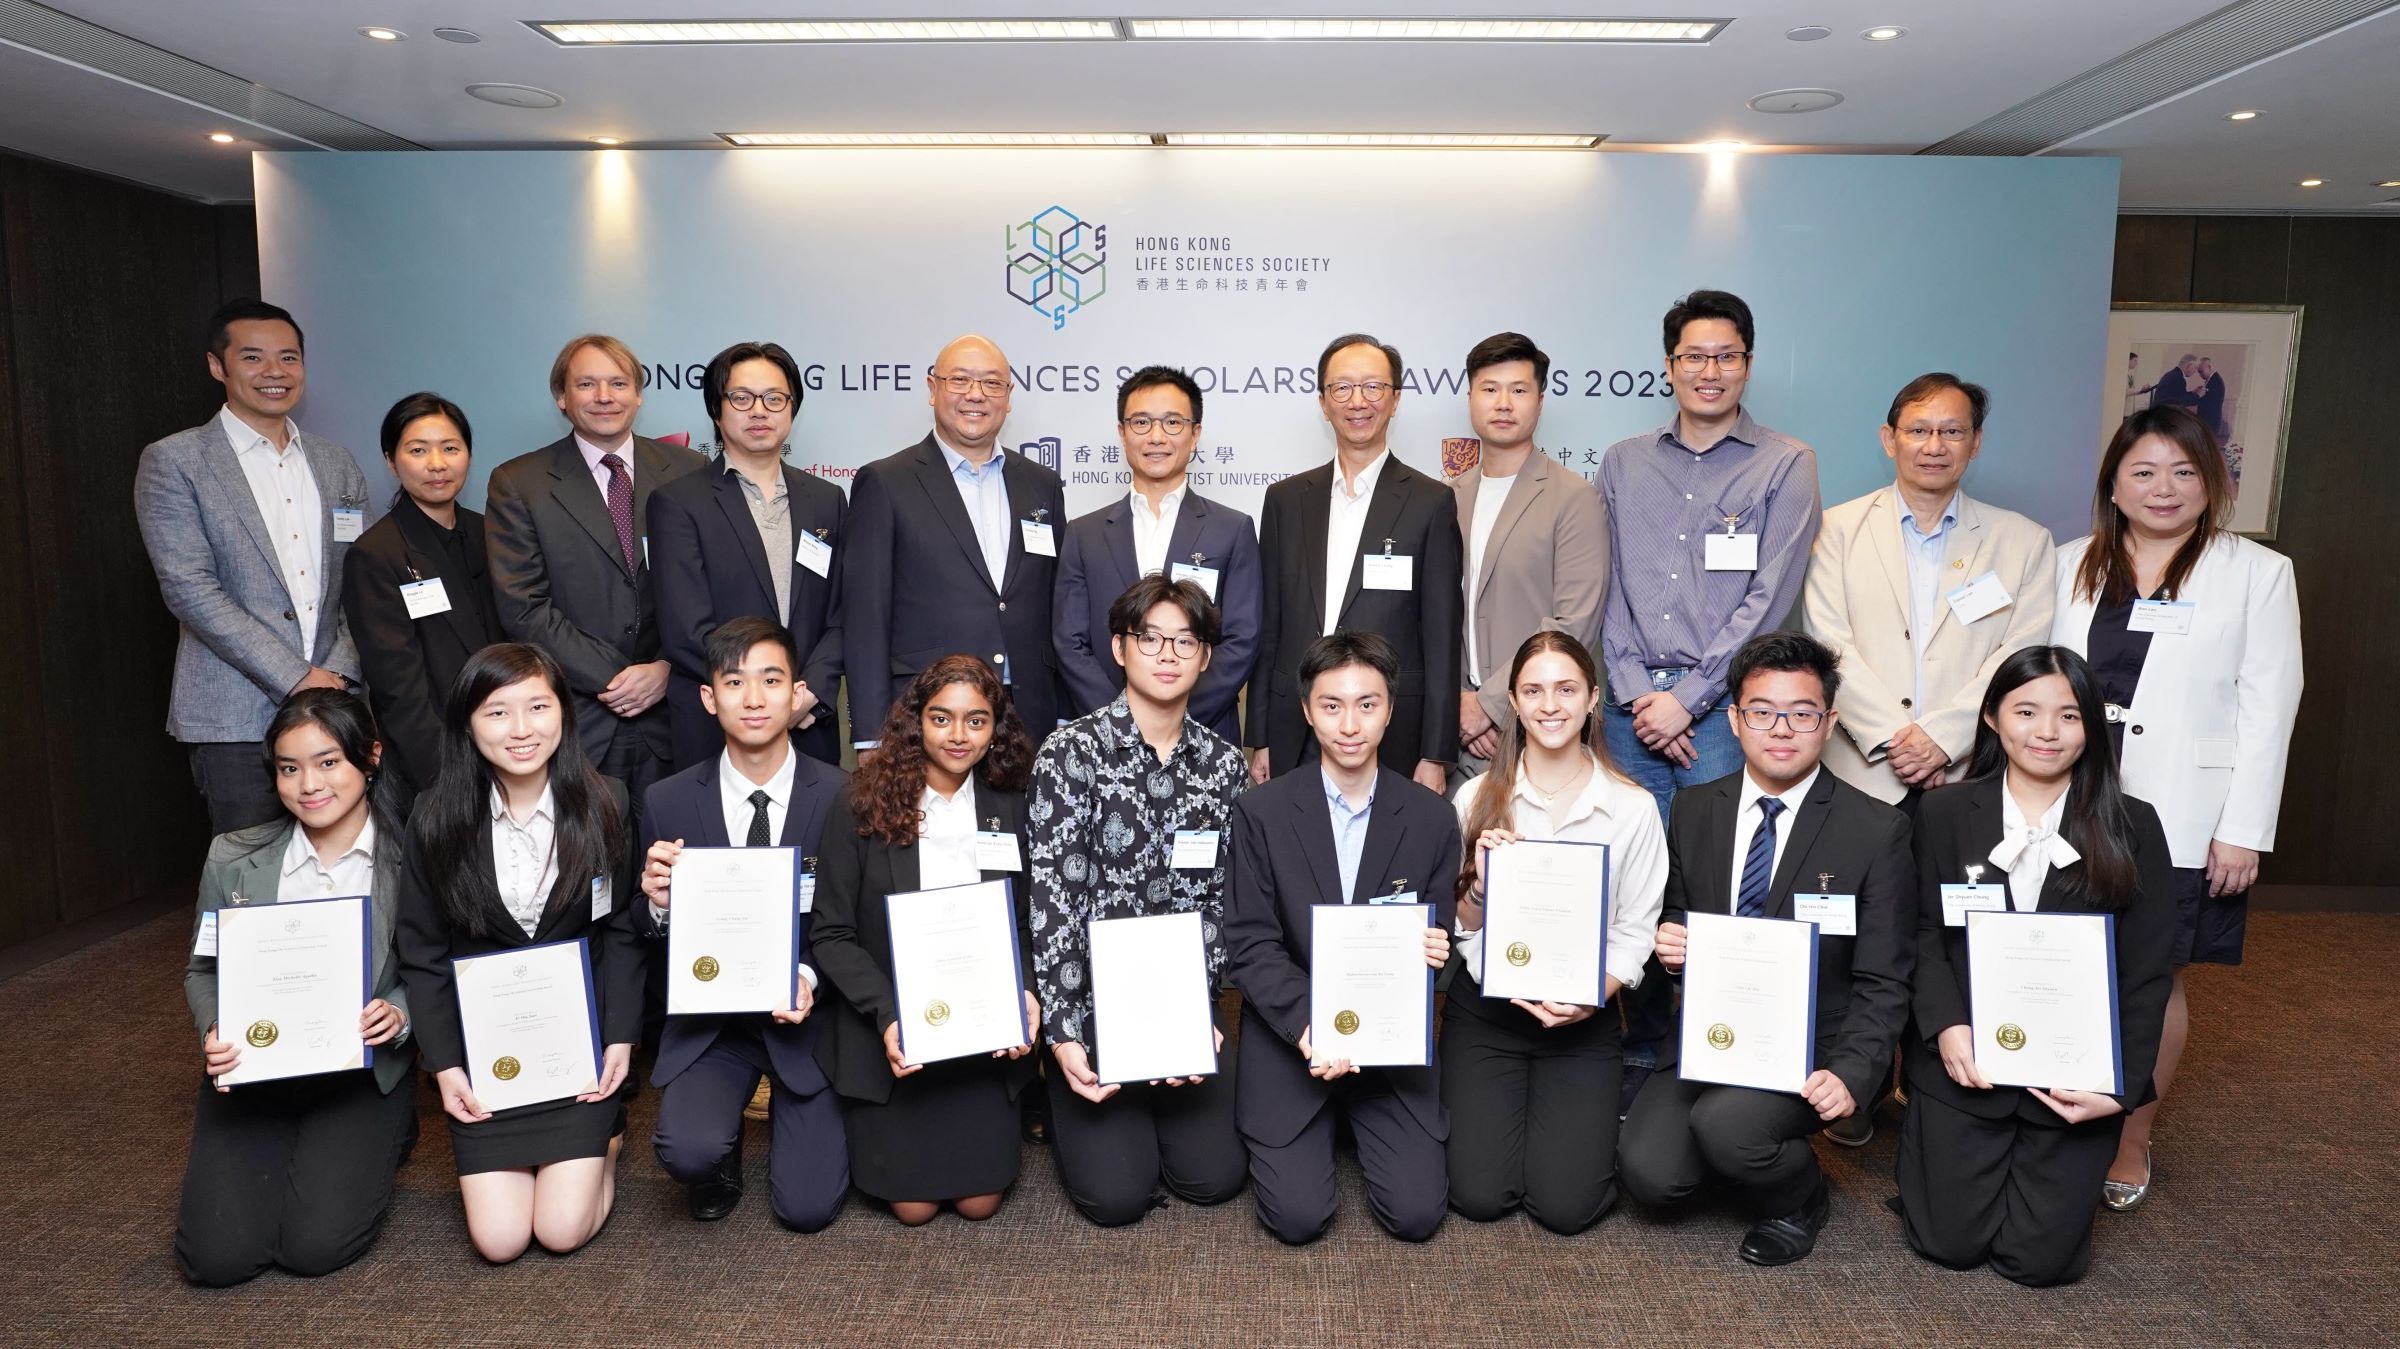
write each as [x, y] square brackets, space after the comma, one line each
[1057, 263]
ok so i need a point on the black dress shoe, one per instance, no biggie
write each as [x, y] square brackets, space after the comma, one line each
[716, 1196]
[1780, 1241]
[1034, 1116]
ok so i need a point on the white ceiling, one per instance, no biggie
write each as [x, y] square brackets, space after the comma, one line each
[2328, 108]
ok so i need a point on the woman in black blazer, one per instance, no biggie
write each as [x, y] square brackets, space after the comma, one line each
[2005, 1175]
[519, 842]
[414, 588]
[952, 764]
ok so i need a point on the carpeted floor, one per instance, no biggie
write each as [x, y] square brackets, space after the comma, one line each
[2279, 1165]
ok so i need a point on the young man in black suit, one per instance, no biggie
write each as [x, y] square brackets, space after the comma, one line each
[1362, 544]
[1743, 845]
[758, 791]
[1352, 832]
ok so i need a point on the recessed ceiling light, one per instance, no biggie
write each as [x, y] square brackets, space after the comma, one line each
[607, 140]
[1796, 100]
[1809, 32]
[580, 34]
[1385, 140]
[220, 137]
[1885, 33]
[899, 139]
[515, 95]
[1427, 30]
[2245, 115]
[2312, 182]
[2389, 182]
[382, 34]
[460, 35]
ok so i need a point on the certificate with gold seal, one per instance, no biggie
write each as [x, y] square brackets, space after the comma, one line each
[2042, 997]
[956, 971]
[1370, 992]
[292, 981]
[1545, 921]
[530, 1022]
[733, 930]
[1749, 1002]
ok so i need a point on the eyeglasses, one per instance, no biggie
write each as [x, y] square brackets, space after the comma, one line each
[774, 400]
[992, 386]
[1693, 362]
[1803, 720]
[1918, 435]
[1174, 425]
[1149, 640]
[1373, 390]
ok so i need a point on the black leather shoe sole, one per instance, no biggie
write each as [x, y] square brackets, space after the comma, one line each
[1781, 1241]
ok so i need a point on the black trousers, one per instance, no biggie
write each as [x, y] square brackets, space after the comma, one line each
[2016, 1195]
[1649, 1009]
[1113, 1156]
[700, 1120]
[1533, 1116]
[1408, 1185]
[233, 780]
[296, 1173]
[1680, 1133]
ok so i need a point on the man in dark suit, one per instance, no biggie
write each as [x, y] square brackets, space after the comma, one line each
[1160, 526]
[1743, 845]
[567, 556]
[757, 791]
[1363, 544]
[1353, 832]
[750, 535]
[954, 548]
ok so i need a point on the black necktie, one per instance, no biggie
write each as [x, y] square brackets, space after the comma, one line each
[760, 836]
[1758, 869]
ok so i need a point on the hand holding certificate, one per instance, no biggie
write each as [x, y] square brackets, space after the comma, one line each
[291, 982]
[530, 1022]
[955, 971]
[734, 942]
[1545, 924]
[1150, 1004]
[1749, 1002]
[1370, 992]
[2043, 995]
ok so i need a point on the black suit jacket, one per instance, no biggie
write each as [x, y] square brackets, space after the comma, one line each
[687, 806]
[1961, 824]
[915, 589]
[1284, 864]
[561, 580]
[1862, 981]
[709, 563]
[427, 943]
[852, 937]
[410, 663]
[1420, 517]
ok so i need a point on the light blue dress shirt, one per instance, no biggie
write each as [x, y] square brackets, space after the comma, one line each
[1349, 831]
[985, 493]
[1924, 553]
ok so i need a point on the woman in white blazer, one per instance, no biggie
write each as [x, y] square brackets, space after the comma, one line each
[2195, 634]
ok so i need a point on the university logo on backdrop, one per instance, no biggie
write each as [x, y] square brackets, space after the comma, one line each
[1057, 263]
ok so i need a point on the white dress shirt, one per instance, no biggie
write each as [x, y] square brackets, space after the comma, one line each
[1608, 810]
[305, 876]
[1490, 495]
[525, 858]
[1343, 526]
[1154, 529]
[1747, 819]
[288, 502]
[946, 843]
[2027, 853]
[734, 791]
[591, 461]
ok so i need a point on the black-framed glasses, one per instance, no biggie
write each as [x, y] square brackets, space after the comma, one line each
[1802, 720]
[1918, 435]
[1174, 424]
[1373, 390]
[1149, 641]
[741, 400]
[1693, 362]
[990, 386]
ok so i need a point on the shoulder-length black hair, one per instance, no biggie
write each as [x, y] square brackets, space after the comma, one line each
[452, 814]
[343, 716]
[2096, 821]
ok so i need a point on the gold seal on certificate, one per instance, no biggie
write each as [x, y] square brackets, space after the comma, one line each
[1346, 1022]
[936, 1012]
[261, 1034]
[705, 968]
[506, 1068]
[1720, 1036]
[2010, 1036]
[1519, 954]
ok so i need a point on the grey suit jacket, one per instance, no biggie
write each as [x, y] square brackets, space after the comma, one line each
[1545, 569]
[239, 652]
[245, 867]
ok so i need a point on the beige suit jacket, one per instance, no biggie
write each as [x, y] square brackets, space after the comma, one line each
[1544, 568]
[1857, 602]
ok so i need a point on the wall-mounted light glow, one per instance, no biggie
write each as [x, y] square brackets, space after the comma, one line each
[606, 140]
[570, 33]
[1727, 147]
[1426, 30]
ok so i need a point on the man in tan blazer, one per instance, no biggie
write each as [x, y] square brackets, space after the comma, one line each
[1536, 538]
[1923, 591]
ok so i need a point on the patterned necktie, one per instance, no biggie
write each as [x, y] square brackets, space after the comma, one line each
[1758, 869]
[760, 837]
[620, 506]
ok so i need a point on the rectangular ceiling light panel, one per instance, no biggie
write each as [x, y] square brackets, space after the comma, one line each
[1428, 30]
[576, 33]
[895, 139]
[1385, 140]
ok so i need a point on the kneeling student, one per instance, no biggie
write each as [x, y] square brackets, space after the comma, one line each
[757, 792]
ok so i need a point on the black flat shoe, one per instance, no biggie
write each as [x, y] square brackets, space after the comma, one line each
[716, 1196]
[1780, 1241]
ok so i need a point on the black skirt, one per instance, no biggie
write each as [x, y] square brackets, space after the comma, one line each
[537, 1135]
[949, 1131]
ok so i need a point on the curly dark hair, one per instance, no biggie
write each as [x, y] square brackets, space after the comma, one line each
[887, 787]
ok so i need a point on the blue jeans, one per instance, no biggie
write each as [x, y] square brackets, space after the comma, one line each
[1650, 1007]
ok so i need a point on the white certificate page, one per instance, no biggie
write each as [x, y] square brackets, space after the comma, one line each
[1545, 921]
[954, 968]
[733, 930]
[291, 983]
[531, 1024]
[1370, 993]
[1749, 1001]
[1150, 1003]
[2042, 993]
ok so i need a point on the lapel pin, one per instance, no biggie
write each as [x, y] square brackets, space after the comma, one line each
[1824, 882]
[992, 825]
[1974, 873]
[1198, 558]
[1400, 886]
[1387, 547]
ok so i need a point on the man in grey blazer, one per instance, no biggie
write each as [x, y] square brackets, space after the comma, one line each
[1536, 536]
[247, 520]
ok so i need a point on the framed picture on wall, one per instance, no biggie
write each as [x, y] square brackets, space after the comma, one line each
[2233, 365]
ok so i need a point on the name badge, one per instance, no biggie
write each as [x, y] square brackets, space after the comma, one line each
[997, 852]
[815, 554]
[808, 884]
[1387, 571]
[1979, 598]
[1960, 900]
[1834, 915]
[1203, 577]
[2170, 617]
[1038, 540]
[206, 943]
[1195, 850]
[603, 898]
[348, 523]
[1729, 552]
[1403, 897]
[425, 598]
